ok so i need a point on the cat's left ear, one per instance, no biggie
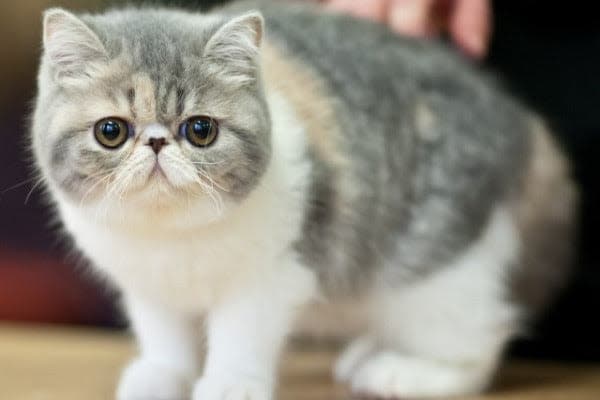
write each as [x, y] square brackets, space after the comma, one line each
[71, 47]
[235, 47]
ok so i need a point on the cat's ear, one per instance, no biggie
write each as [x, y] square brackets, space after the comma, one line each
[71, 48]
[235, 46]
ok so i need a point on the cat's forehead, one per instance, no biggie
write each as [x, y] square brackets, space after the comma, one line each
[156, 71]
[146, 97]
[153, 40]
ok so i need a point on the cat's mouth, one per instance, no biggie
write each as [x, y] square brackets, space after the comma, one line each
[157, 171]
[158, 175]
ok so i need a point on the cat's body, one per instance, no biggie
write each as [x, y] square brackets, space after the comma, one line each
[363, 182]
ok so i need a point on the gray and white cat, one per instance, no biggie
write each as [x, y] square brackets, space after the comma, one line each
[253, 175]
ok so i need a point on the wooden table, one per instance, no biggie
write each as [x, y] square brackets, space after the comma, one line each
[52, 363]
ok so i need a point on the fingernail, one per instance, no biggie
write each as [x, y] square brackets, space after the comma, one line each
[475, 45]
[408, 19]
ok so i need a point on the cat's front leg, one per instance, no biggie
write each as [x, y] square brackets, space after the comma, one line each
[246, 333]
[168, 361]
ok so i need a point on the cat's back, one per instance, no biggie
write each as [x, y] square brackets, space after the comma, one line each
[416, 98]
[420, 137]
[366, 64]
[433, 146]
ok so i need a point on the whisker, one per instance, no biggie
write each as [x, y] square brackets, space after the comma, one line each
[35, 185]
[204, 181]
[96, 184]
[205, 175]
[20, 184]
[207, 163]
[107, 175]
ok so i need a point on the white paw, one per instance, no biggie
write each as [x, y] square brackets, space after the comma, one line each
[390, 375]
[145, 380]
[213, 388]
[356, 352]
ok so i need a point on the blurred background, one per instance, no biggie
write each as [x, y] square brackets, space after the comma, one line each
[547, 53]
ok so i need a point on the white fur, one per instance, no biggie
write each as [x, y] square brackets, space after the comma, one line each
[156, 131]
[237, 270]
[444, 335]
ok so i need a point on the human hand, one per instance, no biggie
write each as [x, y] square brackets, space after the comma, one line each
[468, 22]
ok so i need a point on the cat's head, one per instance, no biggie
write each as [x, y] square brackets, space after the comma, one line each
[142, 109]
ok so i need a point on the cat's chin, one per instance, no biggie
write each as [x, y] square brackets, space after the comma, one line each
[159, 190]
[163, 207]
[156, 184]
[158, 181]
[161, 194]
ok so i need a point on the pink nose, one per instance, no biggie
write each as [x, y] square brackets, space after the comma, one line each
[157, 144]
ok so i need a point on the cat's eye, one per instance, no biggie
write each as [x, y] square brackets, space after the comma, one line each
[111, 132]
[200, 131]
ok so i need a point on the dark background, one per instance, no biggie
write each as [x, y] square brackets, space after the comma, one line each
[547, 53]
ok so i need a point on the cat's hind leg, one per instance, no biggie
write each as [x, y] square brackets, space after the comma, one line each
[444, 335]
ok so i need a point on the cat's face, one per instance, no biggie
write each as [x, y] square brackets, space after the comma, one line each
[146, 109]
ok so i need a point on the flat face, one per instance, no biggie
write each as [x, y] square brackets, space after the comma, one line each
[149, 110]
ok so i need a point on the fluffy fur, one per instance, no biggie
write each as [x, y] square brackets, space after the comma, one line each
[360, 183]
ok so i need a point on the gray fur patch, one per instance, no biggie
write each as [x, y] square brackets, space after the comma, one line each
[416, 194]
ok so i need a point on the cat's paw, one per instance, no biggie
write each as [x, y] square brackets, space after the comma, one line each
[213, 388]
[390, 375]
[356, 352]
[145, 380]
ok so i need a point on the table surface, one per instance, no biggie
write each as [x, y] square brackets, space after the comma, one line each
[57, 363]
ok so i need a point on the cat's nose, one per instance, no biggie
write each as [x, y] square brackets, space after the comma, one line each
[155, 135]
[157, 143]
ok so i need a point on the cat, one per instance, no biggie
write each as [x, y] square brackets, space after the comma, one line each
[249, 173]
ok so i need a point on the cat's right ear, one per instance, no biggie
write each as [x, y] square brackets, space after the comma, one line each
[70, 46]
[235, 47]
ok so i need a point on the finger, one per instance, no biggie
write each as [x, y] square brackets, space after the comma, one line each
[371, 9]
[412, 17]
[470, 26]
